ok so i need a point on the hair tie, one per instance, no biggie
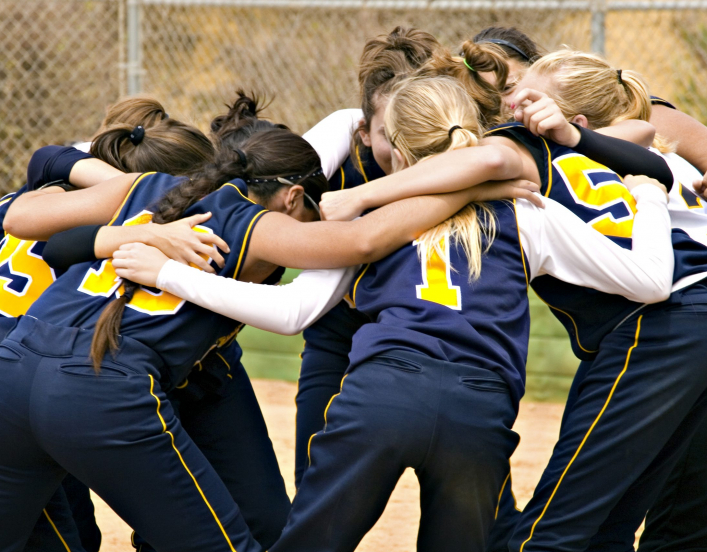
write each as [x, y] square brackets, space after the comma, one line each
[469, 67]
[451, 130]
[618, 73]
[137, 135]
[165, 115]
[241, 156]
[507, 44]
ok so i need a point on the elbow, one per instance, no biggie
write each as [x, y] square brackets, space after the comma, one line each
[367, 250]
[13, 223]
[496, 162]
[657, 291]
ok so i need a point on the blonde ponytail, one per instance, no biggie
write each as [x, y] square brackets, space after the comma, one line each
[427, 116]
[585, 84]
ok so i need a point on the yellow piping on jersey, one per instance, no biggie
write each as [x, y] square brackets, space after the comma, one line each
[576, 330]
[309, 444]
[353, 295]
[549, 167]
[239, 191]
[127, 196]
[520, 245]
[224, 360]
[343, 177]
[179, 454]
[360, 165]
[581, 445]
[58, 534]
[245, 241]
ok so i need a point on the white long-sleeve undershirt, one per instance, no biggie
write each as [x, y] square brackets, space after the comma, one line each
[331, 138]
[555, 241]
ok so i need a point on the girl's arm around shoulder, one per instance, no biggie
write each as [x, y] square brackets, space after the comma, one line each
[286, 310]
[331, 138]
[38, 215]
[558, 243]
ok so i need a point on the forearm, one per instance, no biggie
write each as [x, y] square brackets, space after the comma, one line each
[689, 134]
[623, 157]
[280, 240]
[110, 238]
[41, 214]
[448, 172]
[284, 309]
[638, 132]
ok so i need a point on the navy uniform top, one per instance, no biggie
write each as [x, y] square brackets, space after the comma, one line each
[333, 332]
[595, 194]
[24, 275]
[430, 307]
[180, 332]
[356, 170]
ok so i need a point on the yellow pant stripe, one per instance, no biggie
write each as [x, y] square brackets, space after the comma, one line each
[611, 394]
[309, 444]
[58, 534]
[498, 504]
[179, 454]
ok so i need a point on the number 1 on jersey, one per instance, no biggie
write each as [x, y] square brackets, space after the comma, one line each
[437, 284]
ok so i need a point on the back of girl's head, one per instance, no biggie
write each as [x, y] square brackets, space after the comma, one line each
[515, 43]
[134, 111]
[427, 116]
[241, 121]
[475, 59]
[386, 56]
[260, 159]
[168, 146]
[585, 84]
[430, 115]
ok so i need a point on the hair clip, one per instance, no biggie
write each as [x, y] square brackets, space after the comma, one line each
[137, 135]
[451, 130]
[507, 45]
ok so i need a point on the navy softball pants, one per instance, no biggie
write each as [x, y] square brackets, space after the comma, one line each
[630, 418]
[324, 362]
[451, 423]
[116, 432]
[228, 427]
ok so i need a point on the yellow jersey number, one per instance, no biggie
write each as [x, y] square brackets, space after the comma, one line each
[576, 171]
[104, 282]
[28, 276]
[437, 279]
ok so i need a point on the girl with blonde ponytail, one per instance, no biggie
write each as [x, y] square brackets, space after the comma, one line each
[435, 378]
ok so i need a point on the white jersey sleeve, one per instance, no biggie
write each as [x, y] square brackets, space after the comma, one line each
[558, 243]
[287, 309]
[331, 138]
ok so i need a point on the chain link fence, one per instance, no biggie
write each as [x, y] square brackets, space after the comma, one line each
[64, 60]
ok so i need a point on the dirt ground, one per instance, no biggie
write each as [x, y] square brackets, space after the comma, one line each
[538, 425]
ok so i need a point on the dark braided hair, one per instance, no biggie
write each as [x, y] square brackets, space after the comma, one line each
[260, 158]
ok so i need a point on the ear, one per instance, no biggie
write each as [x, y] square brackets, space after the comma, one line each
[399, 162]
[294, 195]
[365, 136]
[581, 120]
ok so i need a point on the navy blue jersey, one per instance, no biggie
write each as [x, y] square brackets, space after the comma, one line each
[655, 100]
[430, 307]
[180, 332]
[24, 275]
[356, 170]
[595, 194]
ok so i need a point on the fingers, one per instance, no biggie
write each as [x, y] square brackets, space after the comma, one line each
[527, 94]
[213, 239]
[197, 219]
[204, 250]
[196, 260]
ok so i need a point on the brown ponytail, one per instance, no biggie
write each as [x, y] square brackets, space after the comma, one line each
[475, 59]
[259, 158]
[133, 111]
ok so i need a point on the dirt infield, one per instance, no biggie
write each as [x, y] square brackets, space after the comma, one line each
[537, 424]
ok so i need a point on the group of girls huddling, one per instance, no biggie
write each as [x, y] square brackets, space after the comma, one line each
[127, 272]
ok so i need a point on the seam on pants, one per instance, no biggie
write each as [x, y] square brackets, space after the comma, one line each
[58, 534]
[309, 444]
[179, 454]
[591, 428]
[498, 504]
